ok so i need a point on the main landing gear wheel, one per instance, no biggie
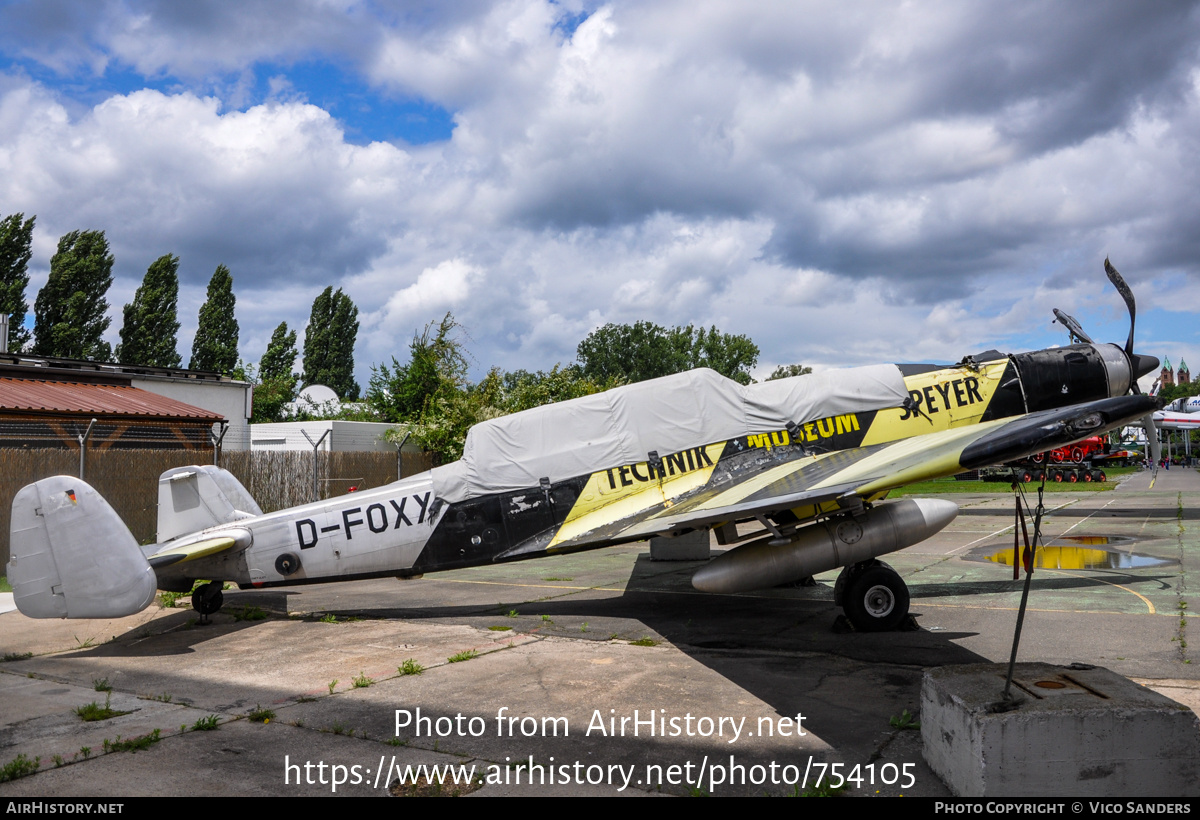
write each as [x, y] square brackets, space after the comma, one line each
[207, 599]
[873, 596]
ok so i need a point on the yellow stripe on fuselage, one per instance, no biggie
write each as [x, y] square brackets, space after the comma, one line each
[611, 495]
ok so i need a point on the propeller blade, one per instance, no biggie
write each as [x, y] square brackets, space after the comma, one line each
[1122, 288]
[1072, 325]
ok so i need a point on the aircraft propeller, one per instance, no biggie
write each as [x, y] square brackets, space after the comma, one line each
[1138, 364]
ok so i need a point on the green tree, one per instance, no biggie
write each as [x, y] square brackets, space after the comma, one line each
[215, 347]
[151, 327]
[437, 367]
[16, 243]
[280, 358]
[277, 383]
[786, 371]
[329, 344]
[645, 350]
[523, 390]
[70, 313]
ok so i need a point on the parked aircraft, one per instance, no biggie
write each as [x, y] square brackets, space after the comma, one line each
[1186, 405]
[791, 474]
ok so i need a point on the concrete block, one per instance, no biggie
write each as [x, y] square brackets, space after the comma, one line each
[1078, 731]
[691, 546]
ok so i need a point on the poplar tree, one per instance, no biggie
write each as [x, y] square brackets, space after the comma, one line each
[70, 313]
[329, 344]
[215, 347]
[151, 327]
[16, 242]
[276, 382]
[280, 358]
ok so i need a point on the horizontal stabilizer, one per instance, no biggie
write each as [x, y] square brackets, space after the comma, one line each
[72, 556]
[172, 554]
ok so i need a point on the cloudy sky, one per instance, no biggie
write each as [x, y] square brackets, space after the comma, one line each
[845, 183]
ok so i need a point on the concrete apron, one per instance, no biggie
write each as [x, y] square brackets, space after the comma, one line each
[593, 637]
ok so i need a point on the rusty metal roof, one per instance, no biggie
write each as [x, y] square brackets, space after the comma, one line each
[73, 398]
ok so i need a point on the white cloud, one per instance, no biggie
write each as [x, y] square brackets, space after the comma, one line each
[843, 185]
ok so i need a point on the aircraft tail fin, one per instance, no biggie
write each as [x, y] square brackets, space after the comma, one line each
[191, 499]
[72, 556]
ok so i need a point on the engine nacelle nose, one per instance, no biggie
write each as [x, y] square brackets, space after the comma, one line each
[1060, 376]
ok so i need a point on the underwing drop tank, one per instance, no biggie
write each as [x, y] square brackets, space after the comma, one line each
[833, 543]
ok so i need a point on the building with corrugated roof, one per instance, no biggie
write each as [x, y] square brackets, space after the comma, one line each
[48, 402]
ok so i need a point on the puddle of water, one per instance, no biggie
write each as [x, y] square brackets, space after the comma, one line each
[1059, 557]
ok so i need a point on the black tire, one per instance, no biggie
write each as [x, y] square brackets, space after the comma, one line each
[1026, 476]
[1040, 475]
[876, 600]
[1056, 475]
[208, 598]
[1072, 477]
[1100, 476]
[1086, 476]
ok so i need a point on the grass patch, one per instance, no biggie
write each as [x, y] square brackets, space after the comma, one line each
[410, 667]
[5, 586]
[822, 790]
[94, 711]
[362, 681]
[249, 613]
[557, 578]
[512, 613]
[133, 744]
[16, 656]
[206, 724]
[260, 715]
[101, 685]
[950, 485]
[646, 641]
[465, 655]
[500, 628]
[19, 766]
[905, 720]
[422, 787]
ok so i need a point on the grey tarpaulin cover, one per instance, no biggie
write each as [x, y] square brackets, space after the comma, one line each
[667, 415]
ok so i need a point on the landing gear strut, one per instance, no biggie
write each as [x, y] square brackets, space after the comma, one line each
[207, 599]
[873, 596]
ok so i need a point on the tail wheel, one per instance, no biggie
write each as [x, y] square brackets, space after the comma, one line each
[876, 599]
[1072, 477]
[208, 598]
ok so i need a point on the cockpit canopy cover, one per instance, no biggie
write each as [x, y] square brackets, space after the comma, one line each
[667, 415]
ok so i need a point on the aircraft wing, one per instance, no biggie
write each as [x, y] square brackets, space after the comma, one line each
[846, 477]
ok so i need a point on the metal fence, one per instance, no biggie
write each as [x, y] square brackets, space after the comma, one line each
[128, 479]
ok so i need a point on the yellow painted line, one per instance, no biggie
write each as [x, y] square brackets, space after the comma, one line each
[1027, 609]
[514, 584]
[1144, 599]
